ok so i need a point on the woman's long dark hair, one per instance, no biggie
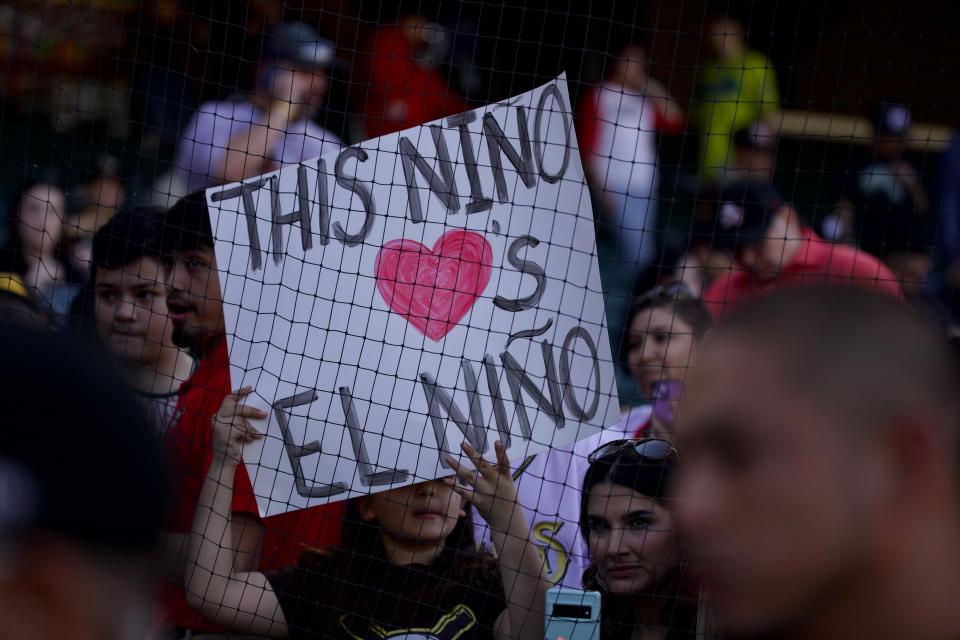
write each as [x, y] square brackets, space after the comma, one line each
[651, 479]
[356, 567]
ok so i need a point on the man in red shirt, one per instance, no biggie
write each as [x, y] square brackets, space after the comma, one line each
[196, 310]
[193, 300]
[774, 249]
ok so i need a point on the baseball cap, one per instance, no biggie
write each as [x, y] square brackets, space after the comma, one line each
[299, 43]
[77, 458]
[743, 212]
[891, 118]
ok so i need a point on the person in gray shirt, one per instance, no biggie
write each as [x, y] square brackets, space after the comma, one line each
[251, 134]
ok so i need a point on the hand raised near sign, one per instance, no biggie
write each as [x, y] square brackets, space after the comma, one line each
[231, 426]
[490, 487]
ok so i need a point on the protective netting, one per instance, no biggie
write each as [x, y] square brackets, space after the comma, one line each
[413, 224]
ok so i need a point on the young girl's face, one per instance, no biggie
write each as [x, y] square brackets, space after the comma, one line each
[426, 512]
[658, 348]
[630, 538]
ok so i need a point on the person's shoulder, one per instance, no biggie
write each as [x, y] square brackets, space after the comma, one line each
[754, 59]
[725, 291]
[862, 269]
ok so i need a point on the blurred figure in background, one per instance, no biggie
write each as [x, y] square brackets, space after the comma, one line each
[773, 249]
[38, 229]
[820, 484]
[885, 209]
[618, 125]
[76, 451]
[754, 153]
[735, 88]
[251, 134]
[398, 81]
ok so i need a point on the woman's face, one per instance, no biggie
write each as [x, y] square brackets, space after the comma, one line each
[41, 219]
[631, 539]
[659, 345]
[426, 512]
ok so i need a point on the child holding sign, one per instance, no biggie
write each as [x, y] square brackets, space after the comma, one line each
[407, 564]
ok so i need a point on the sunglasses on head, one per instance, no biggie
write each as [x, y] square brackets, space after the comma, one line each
[646, 449]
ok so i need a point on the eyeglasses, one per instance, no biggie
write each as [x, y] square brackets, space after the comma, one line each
[647, 449]
[678, 290]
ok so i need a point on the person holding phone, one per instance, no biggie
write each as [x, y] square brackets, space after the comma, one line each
[248, 135]
[626, 518]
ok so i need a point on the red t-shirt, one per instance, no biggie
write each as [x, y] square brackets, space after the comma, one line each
[818, 262]
[189, 445]
[396, 92]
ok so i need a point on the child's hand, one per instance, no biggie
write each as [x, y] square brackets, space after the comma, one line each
[489, 487]
[232, 428]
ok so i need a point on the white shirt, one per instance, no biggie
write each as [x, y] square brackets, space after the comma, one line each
[624, 158]
[549, 487]
[203, 144]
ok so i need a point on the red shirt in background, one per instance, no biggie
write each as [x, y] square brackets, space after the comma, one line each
[189, 444]
[817, 263]
[396, 91]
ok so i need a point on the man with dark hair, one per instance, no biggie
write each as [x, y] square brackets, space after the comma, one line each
[196, 309]
[76, 452]
[130, 312]
[820, 488]
[773, 248]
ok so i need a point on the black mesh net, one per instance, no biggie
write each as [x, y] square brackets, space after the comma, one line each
[408, 225]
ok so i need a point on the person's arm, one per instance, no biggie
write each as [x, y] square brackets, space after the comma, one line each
[669, 112]
[493, 491]
[246, 151]
[241, 601]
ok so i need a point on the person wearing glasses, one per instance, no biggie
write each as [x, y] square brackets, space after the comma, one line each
[636, 559]
[663, 328]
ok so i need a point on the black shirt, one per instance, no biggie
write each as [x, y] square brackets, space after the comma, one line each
[399, 602]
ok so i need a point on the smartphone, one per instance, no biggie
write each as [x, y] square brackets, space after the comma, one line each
[572, 614]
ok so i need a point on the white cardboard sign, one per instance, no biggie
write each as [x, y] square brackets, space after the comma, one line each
[408, 292]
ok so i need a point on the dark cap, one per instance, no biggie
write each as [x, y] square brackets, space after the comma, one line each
[299, 43]
[743, 212]
[77, 459]
[891, 118]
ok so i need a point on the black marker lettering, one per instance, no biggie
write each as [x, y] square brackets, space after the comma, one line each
[440, 406]
[323, 197]
[497, 142]
[246, 190]
[301, 215]
[368, 476]
[443, 186]
[478, 201]
[295, 451]
[525, 267]
[519, 380]
[552, 90]
[499, 411]
[566, 356]
[359, 189]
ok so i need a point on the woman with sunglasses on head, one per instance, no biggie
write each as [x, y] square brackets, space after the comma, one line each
[663, 328]
[637, 560]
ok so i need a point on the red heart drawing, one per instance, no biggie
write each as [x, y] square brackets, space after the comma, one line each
[434, 288]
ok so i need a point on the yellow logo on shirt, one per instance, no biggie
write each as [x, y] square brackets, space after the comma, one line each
[555, 556]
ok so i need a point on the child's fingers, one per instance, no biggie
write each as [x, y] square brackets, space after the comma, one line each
[484, 467]
[503, 460]
[464, 475]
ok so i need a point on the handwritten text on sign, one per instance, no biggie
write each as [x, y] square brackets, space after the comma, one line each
[417, 289]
